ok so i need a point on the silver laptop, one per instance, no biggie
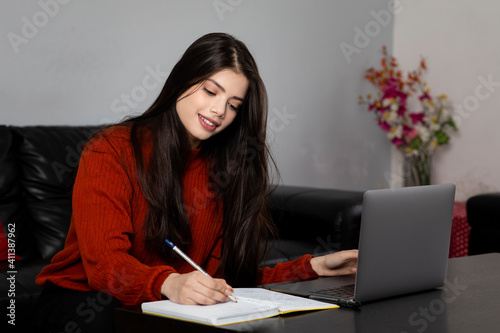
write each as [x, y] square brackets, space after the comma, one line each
[403, 247]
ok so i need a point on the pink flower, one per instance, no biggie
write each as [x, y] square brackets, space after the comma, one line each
[417, 117]
[404, 127]
[376, 106]
[412, 134]
[425, 95]
[397, 142]
[407, 129]
[384, 126]
[402, 109]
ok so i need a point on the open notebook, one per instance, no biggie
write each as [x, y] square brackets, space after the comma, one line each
[253, 304]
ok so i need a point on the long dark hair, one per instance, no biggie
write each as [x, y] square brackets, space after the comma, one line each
[238, 157]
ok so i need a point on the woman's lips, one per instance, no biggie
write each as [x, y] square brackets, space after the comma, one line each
[208, 123]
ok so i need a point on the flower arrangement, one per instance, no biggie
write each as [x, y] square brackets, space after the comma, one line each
[416, 133]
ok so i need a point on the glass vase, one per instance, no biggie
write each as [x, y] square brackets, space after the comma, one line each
[419, 169]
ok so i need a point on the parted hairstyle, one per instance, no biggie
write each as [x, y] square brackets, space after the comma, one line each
[238, 157]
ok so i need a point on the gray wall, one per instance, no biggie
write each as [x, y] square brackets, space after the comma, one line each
[89, 62]
[457, 39]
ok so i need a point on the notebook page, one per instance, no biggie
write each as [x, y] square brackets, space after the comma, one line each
[285, 303]
[218, 314]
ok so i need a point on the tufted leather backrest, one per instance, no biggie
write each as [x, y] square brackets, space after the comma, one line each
[37, 165]
[314, 220]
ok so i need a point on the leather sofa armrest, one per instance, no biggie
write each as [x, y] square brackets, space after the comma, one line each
[483, 216]
[484, 210]
[314, 221]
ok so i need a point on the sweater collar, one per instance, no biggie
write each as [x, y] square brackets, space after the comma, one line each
[193, 159]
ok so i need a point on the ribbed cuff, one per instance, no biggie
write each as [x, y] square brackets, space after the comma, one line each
[309, 268]
[159, 282]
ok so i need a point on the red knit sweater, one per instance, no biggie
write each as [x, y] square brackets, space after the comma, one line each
[105, 249]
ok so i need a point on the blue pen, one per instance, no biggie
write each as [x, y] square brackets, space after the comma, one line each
[192, 263]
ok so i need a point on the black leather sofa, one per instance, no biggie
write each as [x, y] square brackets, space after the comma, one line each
[37, 166]
[483, 216]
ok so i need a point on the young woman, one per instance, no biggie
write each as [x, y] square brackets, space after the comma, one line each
[192, 169]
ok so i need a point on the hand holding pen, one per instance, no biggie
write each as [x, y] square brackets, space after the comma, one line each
[200, 291]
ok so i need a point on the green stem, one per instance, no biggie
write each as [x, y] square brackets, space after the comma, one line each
[420, 169]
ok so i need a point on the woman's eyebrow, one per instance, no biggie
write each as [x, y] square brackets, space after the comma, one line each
[224, 90]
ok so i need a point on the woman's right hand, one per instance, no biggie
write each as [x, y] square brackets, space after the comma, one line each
[195, 288]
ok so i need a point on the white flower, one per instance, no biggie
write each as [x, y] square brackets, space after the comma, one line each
[386, 102]
[444, 101]
[445, 115]
[390, 117]
[428, 105]
[394, 107]
[395, 132]
[411, 152]
[433, 123]
[433, 145]
[423, 133]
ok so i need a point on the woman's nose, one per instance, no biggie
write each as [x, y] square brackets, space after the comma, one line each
[218, 110]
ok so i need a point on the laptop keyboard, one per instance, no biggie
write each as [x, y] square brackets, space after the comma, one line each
[346, 291]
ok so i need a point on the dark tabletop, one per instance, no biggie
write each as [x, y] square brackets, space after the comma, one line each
[469, 302]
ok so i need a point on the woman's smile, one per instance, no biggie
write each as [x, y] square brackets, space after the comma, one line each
[207, 108]
[208, 123]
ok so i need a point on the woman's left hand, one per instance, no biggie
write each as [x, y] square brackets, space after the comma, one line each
[334, 264]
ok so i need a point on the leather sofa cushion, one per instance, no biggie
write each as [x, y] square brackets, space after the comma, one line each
[330, 218]
[39, 198]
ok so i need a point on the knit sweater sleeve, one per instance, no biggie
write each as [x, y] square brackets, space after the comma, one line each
[102, 217]
[298, 269]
